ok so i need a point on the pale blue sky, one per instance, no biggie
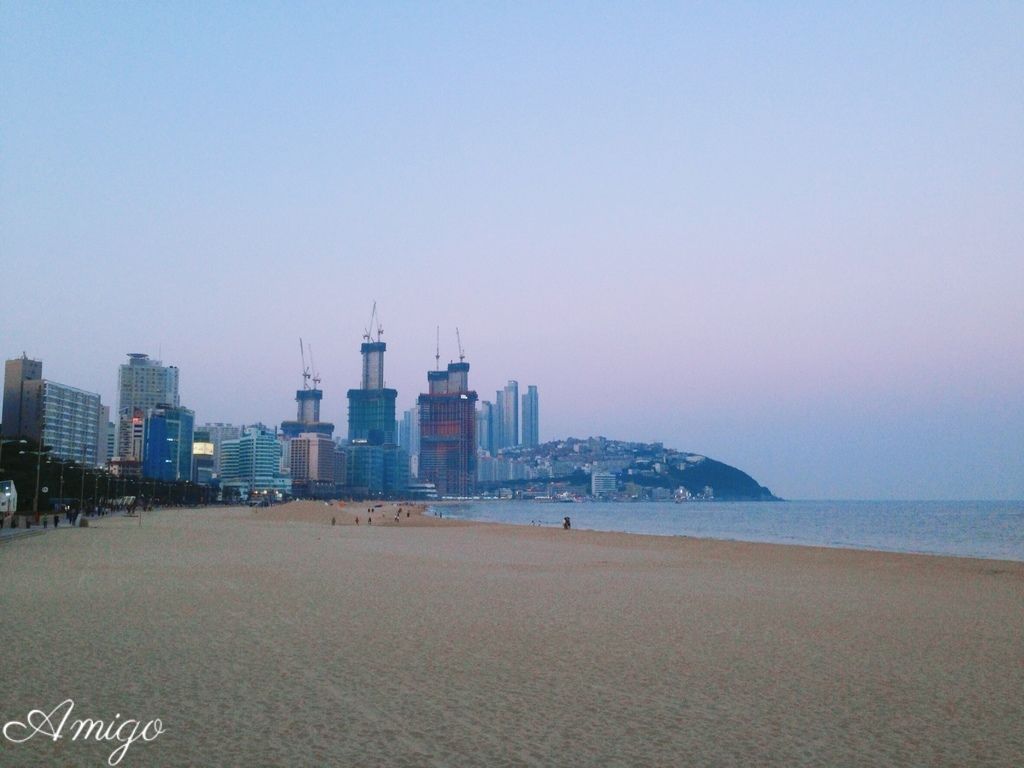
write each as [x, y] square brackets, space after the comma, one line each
[785, 235]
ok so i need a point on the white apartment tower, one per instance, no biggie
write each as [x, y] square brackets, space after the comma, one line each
[66, 419]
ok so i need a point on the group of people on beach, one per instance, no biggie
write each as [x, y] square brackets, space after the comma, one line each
[369, 516]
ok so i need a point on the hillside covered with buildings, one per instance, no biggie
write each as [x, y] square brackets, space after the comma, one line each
[615, 470]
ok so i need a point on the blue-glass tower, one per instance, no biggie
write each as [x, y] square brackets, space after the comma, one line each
[167, 451]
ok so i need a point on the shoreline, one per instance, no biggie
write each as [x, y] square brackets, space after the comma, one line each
[289, 513]
[320, 513]
[730, 537]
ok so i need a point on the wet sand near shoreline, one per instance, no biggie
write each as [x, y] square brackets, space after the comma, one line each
[268, 636]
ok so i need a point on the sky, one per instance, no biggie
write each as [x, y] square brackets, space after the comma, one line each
[785, 235]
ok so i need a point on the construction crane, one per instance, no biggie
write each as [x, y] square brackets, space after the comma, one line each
[305, 370]
[374, 326]
[316, 373]
[437, 353]
[458, 338]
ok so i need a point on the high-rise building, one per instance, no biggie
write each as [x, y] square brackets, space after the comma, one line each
[167, 445]
[505, 424]
[510, 417]
[66, 419]
[340, 466]
[21, 414]
[70, 422]
[485, 427]
[371, 408]
[396, 469]
[111, 442]
[131, 442]
[308, 418]
[376, 470]
[313, 465]
[602, 483]
[202, 457]
[142, 384]
[145, 383]
[531, 418]
[448, 431]
[498, 423]
[219, 432]
[409, 431]
[251, 463]
[103, 439]
[375, 464]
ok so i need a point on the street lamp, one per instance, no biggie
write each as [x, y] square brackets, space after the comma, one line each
[39, 467]
[63, 464]
[81, 490]
[21, 441]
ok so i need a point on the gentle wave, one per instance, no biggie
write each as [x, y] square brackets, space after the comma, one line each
[988, 529]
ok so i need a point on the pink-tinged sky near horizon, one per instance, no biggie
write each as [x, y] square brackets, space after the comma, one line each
[788, 236]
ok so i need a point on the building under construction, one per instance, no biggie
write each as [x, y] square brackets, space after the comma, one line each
[376, 465]
[308, 399]
[448, 430]
[371, 408]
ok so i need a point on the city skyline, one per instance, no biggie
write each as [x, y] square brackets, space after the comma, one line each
[787, 238]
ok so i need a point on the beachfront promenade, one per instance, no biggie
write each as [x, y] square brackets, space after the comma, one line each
[266, 637]
[8, 534]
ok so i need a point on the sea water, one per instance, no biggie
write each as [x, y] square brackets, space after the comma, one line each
[989, 529]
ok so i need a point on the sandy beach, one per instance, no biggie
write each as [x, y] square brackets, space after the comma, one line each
[269, 637]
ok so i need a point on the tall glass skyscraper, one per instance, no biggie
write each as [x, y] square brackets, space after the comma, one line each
[168, 444]
[409, 431]
[531, 418]
[509, 415]
[485, 427]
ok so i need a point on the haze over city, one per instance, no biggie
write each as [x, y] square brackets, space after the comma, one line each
[788, 238]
